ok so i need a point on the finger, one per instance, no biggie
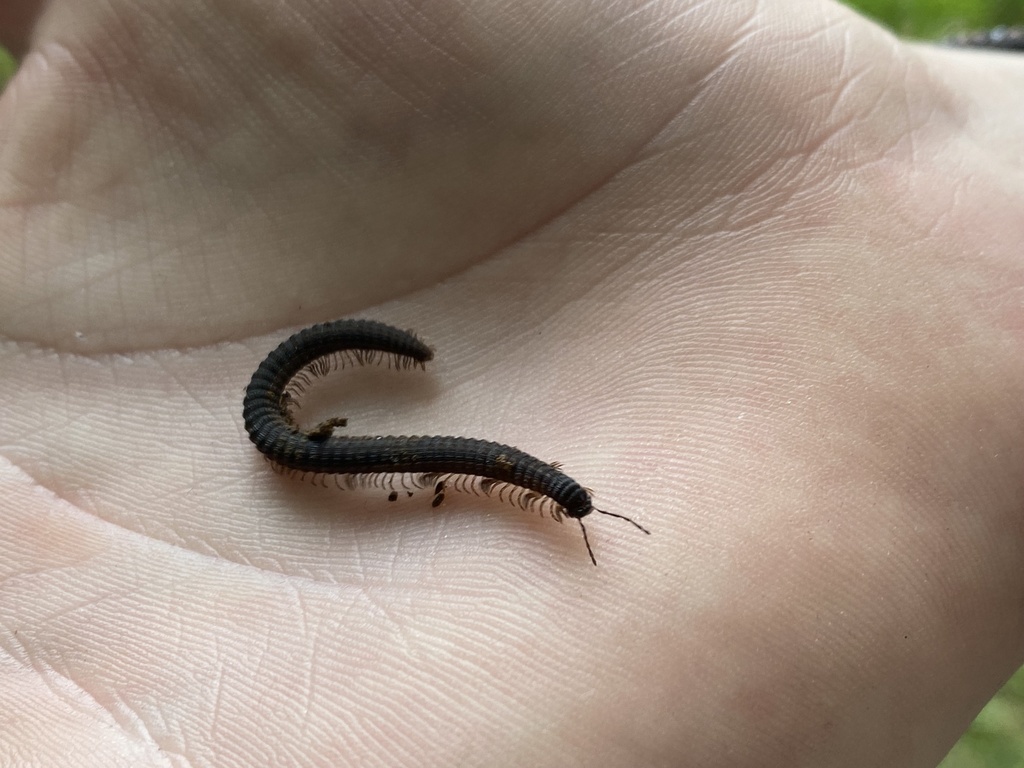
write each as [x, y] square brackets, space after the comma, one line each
[988, 86]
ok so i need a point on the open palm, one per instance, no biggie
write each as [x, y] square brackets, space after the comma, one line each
[751, 271]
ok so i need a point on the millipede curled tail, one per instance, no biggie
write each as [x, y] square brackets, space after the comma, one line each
[491, 468]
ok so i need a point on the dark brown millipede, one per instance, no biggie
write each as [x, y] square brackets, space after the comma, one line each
[1003, 37]
[469, 463]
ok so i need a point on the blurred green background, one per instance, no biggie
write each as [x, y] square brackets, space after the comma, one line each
[7, 65]
[937, 18]
[996, 738]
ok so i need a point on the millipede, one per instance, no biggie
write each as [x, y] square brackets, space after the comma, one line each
[1003, 37]
[463, 464]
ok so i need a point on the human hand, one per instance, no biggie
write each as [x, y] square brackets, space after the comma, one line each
[751, 272]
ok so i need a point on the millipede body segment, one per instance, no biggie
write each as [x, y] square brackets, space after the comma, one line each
[271, 427]
[1004, 38]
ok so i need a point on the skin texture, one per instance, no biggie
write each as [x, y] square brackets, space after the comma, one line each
[753, 271]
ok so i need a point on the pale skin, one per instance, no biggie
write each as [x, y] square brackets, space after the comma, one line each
[752, 271]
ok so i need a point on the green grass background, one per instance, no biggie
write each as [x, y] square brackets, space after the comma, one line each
[7, 65]
[936, 18]
[996, 738]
